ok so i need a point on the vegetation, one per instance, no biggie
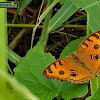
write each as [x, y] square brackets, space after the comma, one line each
[28, 83]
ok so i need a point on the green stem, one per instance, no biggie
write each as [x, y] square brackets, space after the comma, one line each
[41, 26]
[75, 26]
[24, 25]
[74, 20]
[3, 38]
[16, 39]
[88, 30]
[3, 44]
[45, 32]
[58, 97]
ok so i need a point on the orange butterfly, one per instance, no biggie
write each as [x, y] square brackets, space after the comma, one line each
[80, 67]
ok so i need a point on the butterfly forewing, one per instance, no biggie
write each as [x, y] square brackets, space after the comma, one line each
[89, 52]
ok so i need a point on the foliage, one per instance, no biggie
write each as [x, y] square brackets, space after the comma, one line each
[29, 69]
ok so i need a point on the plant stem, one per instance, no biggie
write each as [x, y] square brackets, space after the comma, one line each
[3, 44]
[16, 39]
[45, 32]
[58, 97]
[24, 25]
[41, 26]
[74, 20]
[88, 30]
[3, 38]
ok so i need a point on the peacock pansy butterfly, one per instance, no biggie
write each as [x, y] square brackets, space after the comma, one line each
[80, 67]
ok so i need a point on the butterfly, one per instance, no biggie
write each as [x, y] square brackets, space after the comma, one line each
[80, 67]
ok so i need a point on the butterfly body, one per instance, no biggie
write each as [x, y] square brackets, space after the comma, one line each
[80, 67]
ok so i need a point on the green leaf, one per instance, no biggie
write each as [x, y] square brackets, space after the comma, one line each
[47, 10]
[13, 57]
[94, 85]
[95, 96]
[73, 90]
[29, 72]
[23, 4]
[95, 89]
[62, 1]
[63, 14]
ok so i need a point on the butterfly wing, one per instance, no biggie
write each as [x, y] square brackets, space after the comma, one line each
[89, 52]
[66, 69]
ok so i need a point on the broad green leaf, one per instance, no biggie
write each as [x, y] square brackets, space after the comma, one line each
[70, 90]
[67, 10]
[29, 72]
